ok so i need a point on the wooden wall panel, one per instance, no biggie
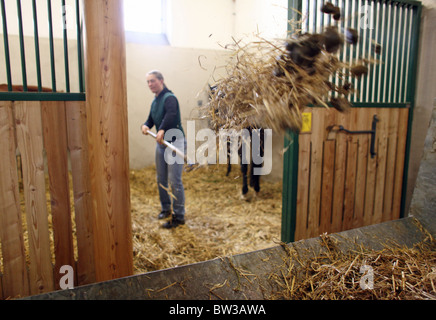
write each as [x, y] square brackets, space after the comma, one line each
[53, 132]
[317, 142]
[327, 185]
[55, 143]
[382, 144]
[340, 173]
[78, 147]
[30, 143]
[15, 275]
[303, 189]
[364, 121]
[400, 160]
[340, 185]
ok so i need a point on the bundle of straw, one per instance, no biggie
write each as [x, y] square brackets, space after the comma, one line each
[268, 82]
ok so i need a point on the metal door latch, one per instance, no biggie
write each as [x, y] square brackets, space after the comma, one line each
[372, 132]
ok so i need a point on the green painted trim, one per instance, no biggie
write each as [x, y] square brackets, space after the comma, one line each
[290, 183]
[411, 95]
[65, 38]
[381, 105]
[396, 61]
[41, 96]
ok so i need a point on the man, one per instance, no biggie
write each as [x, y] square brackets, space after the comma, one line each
[165, 115]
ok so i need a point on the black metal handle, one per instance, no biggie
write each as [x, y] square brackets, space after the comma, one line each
[372, 132]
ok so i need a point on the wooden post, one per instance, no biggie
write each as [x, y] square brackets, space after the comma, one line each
[106, 107]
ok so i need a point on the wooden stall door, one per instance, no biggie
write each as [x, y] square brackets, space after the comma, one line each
[340, 185]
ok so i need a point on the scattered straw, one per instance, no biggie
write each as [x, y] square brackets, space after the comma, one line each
[218, 222]
[398, 273]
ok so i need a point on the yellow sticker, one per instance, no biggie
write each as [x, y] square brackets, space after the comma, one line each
[307, 122]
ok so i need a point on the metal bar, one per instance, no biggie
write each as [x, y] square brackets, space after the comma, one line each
[343, 50]
[36, 38]
[65, 37]
[52, 57]
[350, 48]
[307, 15]
[366, 49]
[334, 77]
[379, 33]
[6, 45]
[372, 28]
[409, 42]
[341, 128]
[395, 61]
[22, 50]
[388, 48]
[357, 46]
[402, 54]
[41, 96]
[322, 20]
[372, 132]
[79, 49]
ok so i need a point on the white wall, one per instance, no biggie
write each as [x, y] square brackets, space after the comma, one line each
[211, 24]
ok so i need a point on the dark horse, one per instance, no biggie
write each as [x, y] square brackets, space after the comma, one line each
[249, 178]
[246, 169]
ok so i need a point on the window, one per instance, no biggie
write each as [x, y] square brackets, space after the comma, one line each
[144, 16]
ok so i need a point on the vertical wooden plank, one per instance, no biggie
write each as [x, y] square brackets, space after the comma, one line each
[78, 147]
[382, 138]
[30, 143]
[339, 178]
[350, 180]
[399, 167]
[318, 131]
[15, 280]
[303, 186]
[364, 122]
[327, 186]
[328, 169]
[55, 142]
[106, 109]
[368, 213]
[390, 164]
[2, 297]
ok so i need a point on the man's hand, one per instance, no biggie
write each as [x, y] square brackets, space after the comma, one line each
[145, 129]
[160, 136]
